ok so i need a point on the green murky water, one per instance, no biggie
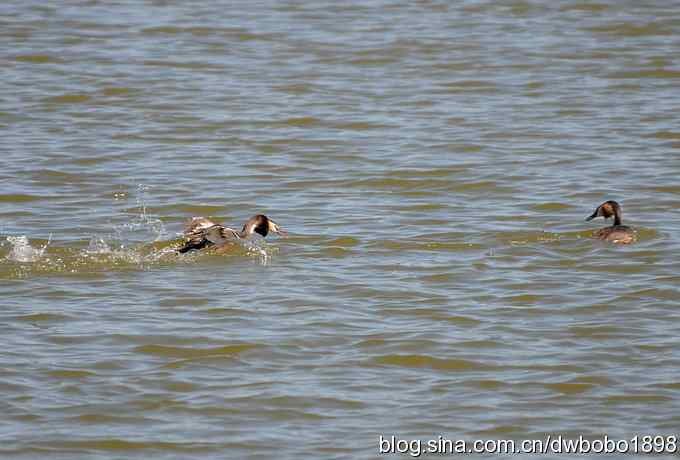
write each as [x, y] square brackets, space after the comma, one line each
[433, 163]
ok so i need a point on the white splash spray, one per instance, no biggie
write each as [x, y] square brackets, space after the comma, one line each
[22, 251]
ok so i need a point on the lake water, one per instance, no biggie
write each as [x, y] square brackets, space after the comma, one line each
[433, 163]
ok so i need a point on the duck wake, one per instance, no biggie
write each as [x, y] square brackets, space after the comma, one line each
[141, 242]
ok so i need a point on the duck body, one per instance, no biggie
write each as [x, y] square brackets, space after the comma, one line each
[616, 233]
[202, 233]
[620, 234]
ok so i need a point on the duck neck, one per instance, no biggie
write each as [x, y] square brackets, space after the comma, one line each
[617, 217]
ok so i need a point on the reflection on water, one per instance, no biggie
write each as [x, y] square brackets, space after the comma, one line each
[433, 163]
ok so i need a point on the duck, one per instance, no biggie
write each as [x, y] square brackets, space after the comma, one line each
[617, 233]
[203, 233]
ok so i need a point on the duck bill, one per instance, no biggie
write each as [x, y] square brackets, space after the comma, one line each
[592, 216]
[276, 228]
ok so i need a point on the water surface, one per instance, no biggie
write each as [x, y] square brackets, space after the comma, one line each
[433, 164]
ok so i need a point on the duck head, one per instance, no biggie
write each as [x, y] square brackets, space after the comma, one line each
[607, 209]
[261, 225]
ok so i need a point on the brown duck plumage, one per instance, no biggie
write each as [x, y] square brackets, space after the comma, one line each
[617, 233]
[201, 233]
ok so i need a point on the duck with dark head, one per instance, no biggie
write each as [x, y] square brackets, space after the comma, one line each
[616, 233]
[203, 233]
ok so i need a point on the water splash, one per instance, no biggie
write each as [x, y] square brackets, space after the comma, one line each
[98, 246]
[154, 223]
[143, 227]
[257, 246]
[139, 243]
[22, 251]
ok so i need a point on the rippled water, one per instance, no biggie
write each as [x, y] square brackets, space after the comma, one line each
[433, 163]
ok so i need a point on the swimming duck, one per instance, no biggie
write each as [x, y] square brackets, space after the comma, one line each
[201, 232]
[617, 233]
